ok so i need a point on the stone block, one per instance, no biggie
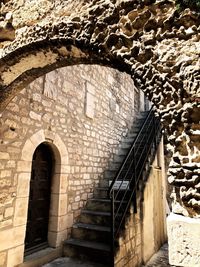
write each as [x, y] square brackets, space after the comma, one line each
[89, 105]
[33, 115]
[23, 185]
[5, 173]
[5, 183]
[184, 240]
[15, 256]
[24, 166]
[6, 223]
[21, 210]
[37, 139]
[10, 164]
[64, 169]
[4, 155]
[60, 183]
[10, 135]
[58, 204]
[70, 220]
[49, 135]
[3, 256]
[56, 239]
[62, 156]
[58, 224]
[37, 97]
[9, 212]
[50, 90]
[12, 237]
[67, 86]
[27, 151]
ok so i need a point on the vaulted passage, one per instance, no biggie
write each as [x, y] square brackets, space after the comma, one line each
[155, 42]
[39, 200]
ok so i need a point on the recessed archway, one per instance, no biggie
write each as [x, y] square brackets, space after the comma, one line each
[149, 40]
[39, 199]
[150, 49]
[56, 231]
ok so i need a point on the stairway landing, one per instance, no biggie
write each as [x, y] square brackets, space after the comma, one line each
[159, 259]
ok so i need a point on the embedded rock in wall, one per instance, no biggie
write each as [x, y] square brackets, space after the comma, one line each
[150, 40]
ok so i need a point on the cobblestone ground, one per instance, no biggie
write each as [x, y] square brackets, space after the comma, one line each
[160, 259]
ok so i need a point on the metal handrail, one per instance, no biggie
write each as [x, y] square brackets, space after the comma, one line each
[131, 149]
[145, 139]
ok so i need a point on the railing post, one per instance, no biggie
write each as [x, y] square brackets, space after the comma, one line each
[135, 184]
[112, 260]
[155, 132]
[145, 136]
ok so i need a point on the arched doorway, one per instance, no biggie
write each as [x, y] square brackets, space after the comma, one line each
[39, 199]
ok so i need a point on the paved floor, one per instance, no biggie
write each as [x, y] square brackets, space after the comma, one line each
[160, 259]
[68, 262]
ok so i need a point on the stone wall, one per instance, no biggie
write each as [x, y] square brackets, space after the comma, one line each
[151, 40]
[82, 112]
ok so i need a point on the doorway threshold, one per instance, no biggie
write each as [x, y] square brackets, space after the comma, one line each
[39, 258]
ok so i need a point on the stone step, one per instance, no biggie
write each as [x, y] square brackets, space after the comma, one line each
[125, 175]
[114, 166]
[95, 217]
[101, 204]
[110, 174]
[91, 232]
[126, 146]
[135, 129]
[122, 151]
[129, 139]
[87, 250]
[101, 192]
[90, 236]
[119, 158]
[132, 135]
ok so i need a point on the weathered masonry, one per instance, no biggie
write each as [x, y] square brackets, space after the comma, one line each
[58, 137]
[152, 42]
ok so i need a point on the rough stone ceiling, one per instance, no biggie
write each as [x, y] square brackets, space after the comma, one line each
[150, 40]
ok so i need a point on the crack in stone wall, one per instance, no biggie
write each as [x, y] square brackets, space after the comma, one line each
[149, 40]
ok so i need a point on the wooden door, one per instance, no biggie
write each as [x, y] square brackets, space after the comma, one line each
[39, 200]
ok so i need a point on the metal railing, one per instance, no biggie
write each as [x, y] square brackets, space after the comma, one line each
[123, 189]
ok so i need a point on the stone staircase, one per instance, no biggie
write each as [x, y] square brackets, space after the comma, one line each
[90, 237]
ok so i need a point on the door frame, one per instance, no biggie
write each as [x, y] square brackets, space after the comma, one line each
[59, 221]
[38, 164]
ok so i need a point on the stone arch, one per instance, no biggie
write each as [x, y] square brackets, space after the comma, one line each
[150, 40]
[58, 218]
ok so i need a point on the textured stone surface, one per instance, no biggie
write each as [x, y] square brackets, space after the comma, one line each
[53, 109]
[3, 256]
[184, 239]
[156, 45]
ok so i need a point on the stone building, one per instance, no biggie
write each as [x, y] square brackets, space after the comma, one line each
[155, 42]
[77, 116]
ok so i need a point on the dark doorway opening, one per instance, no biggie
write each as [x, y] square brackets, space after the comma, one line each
[39, 200]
